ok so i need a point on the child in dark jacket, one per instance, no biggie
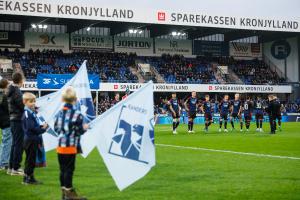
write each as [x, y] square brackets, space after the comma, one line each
[32, 129]
[69, 126]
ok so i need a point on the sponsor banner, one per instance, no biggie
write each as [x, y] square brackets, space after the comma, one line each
[165, 46]
[57, 81]
[29, 86]
[158, 87]
[251, 50]
[34, 40]
[91, 42]
[242, 15]
[209, 48]
[200, 119]
[250, 88]
[11, 39]
[140, 46]
[161, 87]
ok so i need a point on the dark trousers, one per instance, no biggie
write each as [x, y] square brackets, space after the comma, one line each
[67, 167]
[30, 147]
[272, 123]
[17, 145]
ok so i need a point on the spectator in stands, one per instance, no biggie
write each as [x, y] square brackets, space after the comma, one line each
[16, 109]
[255, 72]
[116, 67]
[184, 70]
[5, 126]
[116, 99]
[103, 105]
[112, 67]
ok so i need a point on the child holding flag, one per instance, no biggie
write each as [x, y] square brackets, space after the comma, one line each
[32, 129]
[69, 126]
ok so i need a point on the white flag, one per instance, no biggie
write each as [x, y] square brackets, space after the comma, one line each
[50, 105]
[124, 136]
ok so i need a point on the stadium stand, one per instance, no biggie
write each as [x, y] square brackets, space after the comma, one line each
[115, 67]
[112, 67]
[178, 69]
[252, 71]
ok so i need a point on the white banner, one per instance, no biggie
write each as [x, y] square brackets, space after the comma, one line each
[127, 144]
[165, 46]
[140, 46]
[236, 14]
[251, 50]
[51, 104]
[34, 41]
[230, 88]
[91, 42]
[164, 87]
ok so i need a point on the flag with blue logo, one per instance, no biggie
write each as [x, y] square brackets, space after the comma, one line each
[124, 136]
[49, 105]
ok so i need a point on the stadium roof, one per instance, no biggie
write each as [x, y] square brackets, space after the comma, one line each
[156, 30]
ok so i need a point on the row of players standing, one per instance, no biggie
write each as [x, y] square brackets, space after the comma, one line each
[236, 109]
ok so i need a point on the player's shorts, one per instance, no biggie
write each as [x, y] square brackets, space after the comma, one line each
[176, 115]
[248, 117]
[224, 116]
[192, 114]
[235, 115]
[259, 116]
[208, 116]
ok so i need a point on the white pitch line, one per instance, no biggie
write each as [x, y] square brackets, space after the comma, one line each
[228, 151]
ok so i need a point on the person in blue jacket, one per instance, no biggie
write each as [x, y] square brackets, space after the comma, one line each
[32, 129]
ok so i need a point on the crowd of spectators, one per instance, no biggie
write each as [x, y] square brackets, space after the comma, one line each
[178, 69]
[115, 67]
[252, 72]
[104, 104]
[111, 67]
[292, 107]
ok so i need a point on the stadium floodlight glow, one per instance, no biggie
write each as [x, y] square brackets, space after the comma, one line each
[174, 33]
[33, 25]
[40, 26]
[45, 26]
[134, 31]
[88, 28]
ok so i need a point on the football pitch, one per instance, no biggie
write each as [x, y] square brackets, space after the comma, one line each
[202, 165]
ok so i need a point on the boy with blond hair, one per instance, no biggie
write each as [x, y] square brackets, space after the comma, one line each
[69, 126]
[32, 129]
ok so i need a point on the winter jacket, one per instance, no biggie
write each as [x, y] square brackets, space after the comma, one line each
[15, 103]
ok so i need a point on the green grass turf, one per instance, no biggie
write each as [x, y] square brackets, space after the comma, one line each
[185, 173]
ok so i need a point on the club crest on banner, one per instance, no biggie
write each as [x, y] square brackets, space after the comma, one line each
[86, 107]
[128, 136]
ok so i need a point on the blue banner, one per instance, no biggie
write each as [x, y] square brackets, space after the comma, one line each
[57, 81]
[166, 119]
